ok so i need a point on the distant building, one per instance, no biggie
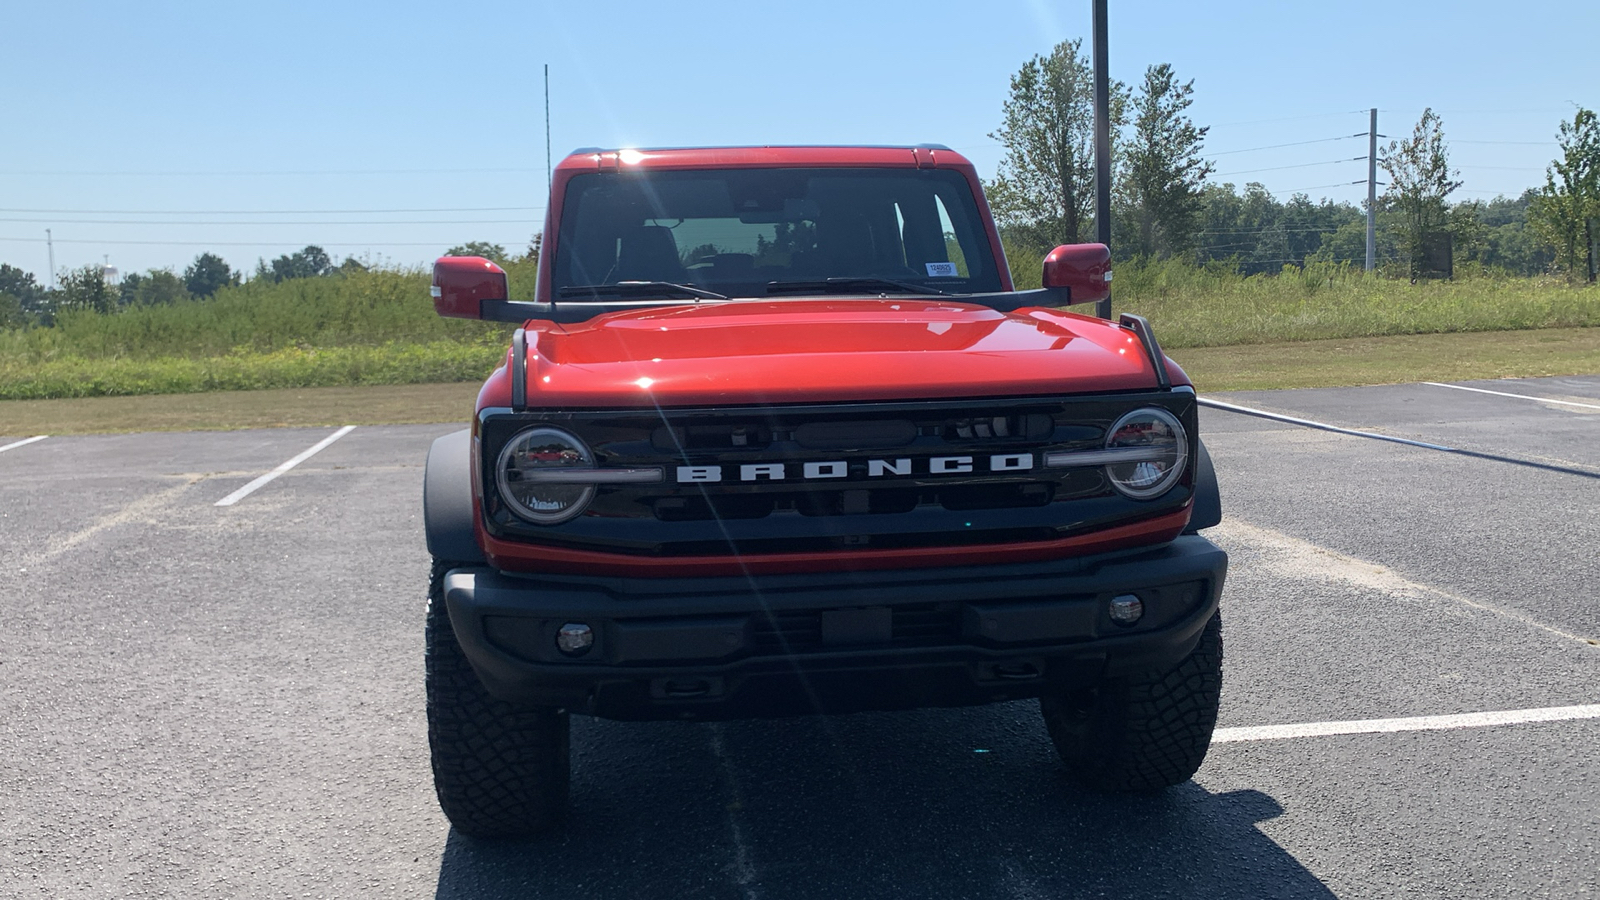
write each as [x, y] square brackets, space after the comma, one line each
[110, 275]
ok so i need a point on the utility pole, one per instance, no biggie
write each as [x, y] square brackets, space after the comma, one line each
[1372, 193]
[547, 180]
[49, 242]
[1102, 142]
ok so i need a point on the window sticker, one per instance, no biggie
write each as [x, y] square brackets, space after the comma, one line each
[942, 270]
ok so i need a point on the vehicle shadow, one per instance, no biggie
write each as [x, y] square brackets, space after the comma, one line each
[932, 803]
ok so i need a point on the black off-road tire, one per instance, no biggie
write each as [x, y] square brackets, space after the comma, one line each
[1141, 733]
[500, 770]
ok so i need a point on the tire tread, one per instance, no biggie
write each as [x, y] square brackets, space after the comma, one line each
[1142, 733]
[499, 770]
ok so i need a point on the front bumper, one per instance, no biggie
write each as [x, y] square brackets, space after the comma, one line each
[740, 647]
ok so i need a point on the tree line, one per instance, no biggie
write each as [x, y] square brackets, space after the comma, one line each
[1164, 207]
[24, 301]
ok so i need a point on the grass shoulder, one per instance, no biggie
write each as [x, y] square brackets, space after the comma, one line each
[1395, 359]
[400, 404]
[1330, 363]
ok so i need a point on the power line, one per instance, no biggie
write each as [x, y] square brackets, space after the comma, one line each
[1294, 144]
[1315, 187]
[1510, 195]
[1296, 166]
[1212, 248]
[1302, 261]
[1291, 118]
[1455, 112]
[1266, 228]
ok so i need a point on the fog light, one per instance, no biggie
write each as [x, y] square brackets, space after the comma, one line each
[1126, 609]
[574, 639]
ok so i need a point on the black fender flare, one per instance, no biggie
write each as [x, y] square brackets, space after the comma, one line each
[1207, 498]
[447, 500]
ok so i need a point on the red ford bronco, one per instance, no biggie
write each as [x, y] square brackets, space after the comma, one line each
[777, 436]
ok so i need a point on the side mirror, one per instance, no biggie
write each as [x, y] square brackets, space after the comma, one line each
[461, 284]
[1081, 271]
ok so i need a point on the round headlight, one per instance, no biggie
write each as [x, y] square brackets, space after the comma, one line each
[1161, 436]
[527, 475]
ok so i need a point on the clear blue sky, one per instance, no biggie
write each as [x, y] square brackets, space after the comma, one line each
[237, 111]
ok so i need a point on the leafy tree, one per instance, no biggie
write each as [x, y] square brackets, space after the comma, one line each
[208, 274]
[21, 286]
[1470, 233]
[693, 255]
[158, 286]
[11, 314]
[311, 262]
[1503, 210]
[1044, 194]
[1348, 244]
[1510, 241]
[350, 266]
[1162, 169]
[788, 238]
[129, 287]
[1260, 234]
[1565, 212]
[1420, 180]
[86, 289]
[493, 252]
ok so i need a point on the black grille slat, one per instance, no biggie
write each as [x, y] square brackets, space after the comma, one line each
[858, 493]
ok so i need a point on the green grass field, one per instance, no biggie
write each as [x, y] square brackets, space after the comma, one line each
[1335, 363]
[373, 327]
[378, 327]
[1197, 307]
[1194, 308]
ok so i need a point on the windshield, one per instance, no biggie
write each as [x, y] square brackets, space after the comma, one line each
[740, 231]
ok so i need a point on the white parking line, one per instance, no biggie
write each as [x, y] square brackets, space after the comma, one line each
[1414, 723]
[1573, 469]
[245, 491]
[22, 442]
[1321, 426]
[1460, 387]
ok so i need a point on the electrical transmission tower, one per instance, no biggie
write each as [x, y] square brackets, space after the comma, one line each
[1372, 192]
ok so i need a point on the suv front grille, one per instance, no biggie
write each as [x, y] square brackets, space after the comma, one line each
[872, 481]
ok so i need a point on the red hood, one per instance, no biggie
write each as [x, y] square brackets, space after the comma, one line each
[799, 351]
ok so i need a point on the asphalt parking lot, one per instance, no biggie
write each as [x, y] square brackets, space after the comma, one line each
[226, 701]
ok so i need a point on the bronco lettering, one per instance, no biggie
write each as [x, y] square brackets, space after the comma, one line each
[874, 468]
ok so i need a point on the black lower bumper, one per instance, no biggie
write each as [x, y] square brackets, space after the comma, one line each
[739, 647]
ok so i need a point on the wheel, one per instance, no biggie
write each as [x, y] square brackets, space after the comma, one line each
[500, 770]
[1141, 733]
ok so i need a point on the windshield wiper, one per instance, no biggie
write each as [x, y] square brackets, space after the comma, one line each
[635, 288]
[850, 286]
